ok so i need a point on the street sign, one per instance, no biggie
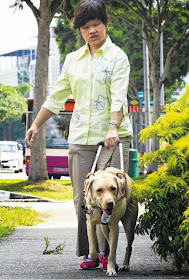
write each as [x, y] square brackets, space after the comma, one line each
[141, 94]
[134, 105]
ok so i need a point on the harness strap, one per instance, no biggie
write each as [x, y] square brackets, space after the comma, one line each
[91, 210]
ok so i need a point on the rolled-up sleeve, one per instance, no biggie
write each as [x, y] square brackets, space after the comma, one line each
[61, 90]
[119, 81]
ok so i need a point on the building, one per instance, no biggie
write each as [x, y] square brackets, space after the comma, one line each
[18, 67]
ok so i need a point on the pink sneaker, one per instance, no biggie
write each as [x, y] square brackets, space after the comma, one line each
[89, 264]
[104, 262]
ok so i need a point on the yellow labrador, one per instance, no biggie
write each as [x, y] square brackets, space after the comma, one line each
[109, 193]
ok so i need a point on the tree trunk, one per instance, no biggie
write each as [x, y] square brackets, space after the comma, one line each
[38, 169]
[4, 131]
[9, 130]
[80, 40]
[44, 15]
[155, 81]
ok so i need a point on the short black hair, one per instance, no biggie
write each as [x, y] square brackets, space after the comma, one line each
[89, 10]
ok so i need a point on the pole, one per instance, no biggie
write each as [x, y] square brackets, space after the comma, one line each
[146, 85]
[162, 99]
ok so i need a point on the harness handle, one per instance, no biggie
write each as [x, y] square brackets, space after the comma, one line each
[100, 145]
[96, 157]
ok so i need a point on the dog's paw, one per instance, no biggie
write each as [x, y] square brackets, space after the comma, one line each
[123, 268]
[111, 272]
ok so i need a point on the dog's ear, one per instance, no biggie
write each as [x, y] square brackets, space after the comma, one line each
[122, 186]
[87, 185]
[89, 174]
[130, 182]
[119, 173]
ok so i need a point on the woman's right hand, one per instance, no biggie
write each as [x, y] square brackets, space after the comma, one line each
[30, 135]
[43, 115]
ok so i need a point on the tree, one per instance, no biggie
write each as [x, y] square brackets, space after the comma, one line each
[156, 16]
[12, 106]
[44, 15]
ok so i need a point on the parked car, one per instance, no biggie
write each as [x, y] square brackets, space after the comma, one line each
[11, 156]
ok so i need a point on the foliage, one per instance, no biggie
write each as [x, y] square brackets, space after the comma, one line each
[66, 37]
[165, 193]
[170, 126]
[53, 189]
[12, 217]
[12, 106]
[12, 103]
[24, 89]
[14, 132]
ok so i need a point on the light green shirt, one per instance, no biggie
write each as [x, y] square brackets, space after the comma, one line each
[99, 85]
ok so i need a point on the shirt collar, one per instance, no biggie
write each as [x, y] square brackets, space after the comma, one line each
[104, 49]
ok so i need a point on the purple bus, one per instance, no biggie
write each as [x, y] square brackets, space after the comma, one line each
[57, 130]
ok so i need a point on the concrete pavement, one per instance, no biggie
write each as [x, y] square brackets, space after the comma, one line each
[21, 253]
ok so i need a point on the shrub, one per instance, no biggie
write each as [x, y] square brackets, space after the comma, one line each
[165, 192]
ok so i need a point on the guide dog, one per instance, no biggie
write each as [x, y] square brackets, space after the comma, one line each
[109, 193]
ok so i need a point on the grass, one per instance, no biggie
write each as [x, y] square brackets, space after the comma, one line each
[53, 189]
[12, 217]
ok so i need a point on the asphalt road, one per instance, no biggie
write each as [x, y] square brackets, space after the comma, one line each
[6, 174]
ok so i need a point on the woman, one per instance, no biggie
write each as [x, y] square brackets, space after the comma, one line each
[97, 75]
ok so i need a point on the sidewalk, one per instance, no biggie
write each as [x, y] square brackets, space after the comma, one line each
[21, 253]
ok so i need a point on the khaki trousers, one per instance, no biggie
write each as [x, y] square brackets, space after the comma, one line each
[81, 158]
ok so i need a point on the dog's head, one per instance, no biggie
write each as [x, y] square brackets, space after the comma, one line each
[104, 188]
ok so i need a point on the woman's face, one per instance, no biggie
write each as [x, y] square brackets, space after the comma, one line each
[94, 33]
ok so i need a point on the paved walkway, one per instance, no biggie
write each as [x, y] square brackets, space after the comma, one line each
[21, 253]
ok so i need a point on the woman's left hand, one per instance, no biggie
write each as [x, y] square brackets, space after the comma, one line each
[111, 137]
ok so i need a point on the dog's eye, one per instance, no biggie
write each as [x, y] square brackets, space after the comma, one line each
[99, 190]
[112, 188]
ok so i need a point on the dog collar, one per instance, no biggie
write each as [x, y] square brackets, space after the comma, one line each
[104, 217]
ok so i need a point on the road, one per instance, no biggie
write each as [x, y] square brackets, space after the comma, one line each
[11, 175]
[6, 174]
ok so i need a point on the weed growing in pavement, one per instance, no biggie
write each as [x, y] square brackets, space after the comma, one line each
[58, 250]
